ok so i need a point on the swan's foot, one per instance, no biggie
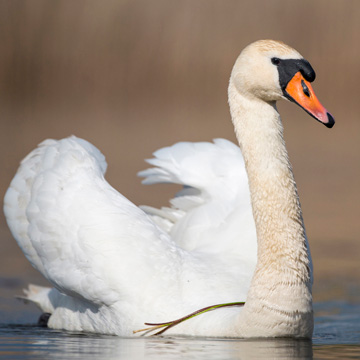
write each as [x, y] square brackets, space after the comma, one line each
[170, 324]
[43, 319]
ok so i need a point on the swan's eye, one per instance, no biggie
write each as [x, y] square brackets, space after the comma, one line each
[305, 88]
[275, 61]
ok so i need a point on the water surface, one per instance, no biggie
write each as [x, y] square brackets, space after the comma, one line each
[336, 336]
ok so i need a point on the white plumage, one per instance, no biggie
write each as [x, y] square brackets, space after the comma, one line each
[98, 248]
[115, 266]
[214, 206]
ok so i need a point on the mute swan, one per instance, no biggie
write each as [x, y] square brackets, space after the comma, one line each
[115, 266]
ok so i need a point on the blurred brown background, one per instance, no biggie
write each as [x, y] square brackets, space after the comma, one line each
[133, 76]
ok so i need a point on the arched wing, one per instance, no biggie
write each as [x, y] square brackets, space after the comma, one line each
[88, 240]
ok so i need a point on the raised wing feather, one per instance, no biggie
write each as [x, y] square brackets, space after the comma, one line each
[88, 240]
[213, 212]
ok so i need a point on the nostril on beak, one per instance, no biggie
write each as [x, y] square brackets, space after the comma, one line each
[305, 88]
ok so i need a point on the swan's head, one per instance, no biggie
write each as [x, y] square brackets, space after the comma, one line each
[271, 70]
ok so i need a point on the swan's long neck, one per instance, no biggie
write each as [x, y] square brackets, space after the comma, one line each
[282, 279]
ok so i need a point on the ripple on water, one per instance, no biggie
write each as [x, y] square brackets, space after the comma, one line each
[336, 336]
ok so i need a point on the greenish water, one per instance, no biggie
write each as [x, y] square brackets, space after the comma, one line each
[336, 336]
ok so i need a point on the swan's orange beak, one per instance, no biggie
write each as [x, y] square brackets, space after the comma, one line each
[300, 91]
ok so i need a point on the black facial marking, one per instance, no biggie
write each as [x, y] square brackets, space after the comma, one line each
[305, 88]
[287, 68]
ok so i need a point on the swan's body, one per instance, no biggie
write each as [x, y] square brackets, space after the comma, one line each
[115, 267]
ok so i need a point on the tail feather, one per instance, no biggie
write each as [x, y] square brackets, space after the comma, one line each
[38, 295]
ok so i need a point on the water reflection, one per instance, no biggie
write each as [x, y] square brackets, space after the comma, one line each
[337, 336]
[47, 344]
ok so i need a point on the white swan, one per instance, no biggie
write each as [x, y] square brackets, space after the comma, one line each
[115, 267]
